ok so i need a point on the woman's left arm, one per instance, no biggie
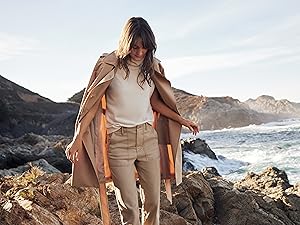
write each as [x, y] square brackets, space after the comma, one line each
[163, 109]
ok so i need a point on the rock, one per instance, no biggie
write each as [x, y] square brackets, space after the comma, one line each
[251, 200]
[36, 197]
[188, 166]
[292, 203]
[41, 164]
[210, 172]
[194, 199]
[168, 218]
[271, 182]
[49, 200]
[274, 183]
[30, 139]
[32, 147]
[198, 146]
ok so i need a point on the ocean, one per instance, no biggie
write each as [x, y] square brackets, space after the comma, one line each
[252, 149]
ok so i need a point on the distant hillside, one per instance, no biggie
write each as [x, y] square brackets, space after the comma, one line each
[268, 104]
[218, 112]
[22, 111]
[12, 92]
[77, 97]
[212, 112]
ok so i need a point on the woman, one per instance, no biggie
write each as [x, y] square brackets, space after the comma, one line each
[126, 98]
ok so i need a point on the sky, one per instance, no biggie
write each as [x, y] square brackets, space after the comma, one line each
[236, 48]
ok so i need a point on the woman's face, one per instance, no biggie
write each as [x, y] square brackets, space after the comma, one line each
[138, 52]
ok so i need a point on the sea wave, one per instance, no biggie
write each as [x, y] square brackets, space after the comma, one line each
[252, 148]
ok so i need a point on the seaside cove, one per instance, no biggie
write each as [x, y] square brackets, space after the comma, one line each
[242, 169]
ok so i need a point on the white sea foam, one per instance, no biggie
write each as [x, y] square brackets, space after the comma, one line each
[252, 148]
[223, 165]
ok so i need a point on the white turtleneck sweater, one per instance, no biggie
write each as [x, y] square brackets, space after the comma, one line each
[128, 104]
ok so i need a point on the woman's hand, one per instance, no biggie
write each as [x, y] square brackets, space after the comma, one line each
[72, 150]
[193, 127]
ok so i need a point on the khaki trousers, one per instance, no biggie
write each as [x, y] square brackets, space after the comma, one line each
[134, 150]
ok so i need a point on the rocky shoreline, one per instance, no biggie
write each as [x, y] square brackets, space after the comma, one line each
[43, 195]
[47, 152]
[203, 197]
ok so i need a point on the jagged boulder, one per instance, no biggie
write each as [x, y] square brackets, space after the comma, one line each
[193, 200]
[272, 182]
[31, 147]
[198, 146]
[252, 201]
[37, 198]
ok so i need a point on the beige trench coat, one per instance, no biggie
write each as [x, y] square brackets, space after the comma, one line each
[90, 130]
[92, 168]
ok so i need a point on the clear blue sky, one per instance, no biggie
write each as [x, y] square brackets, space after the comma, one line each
[235, 48]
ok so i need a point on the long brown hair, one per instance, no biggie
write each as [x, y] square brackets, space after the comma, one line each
[137, 27]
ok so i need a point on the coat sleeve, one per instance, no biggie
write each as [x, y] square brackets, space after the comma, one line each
[96, 70]
[79, 128]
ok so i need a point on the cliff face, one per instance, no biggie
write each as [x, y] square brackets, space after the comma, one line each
[22, 111]
[268, 104]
